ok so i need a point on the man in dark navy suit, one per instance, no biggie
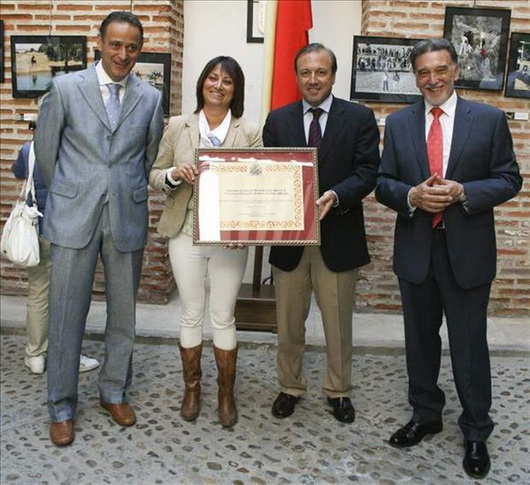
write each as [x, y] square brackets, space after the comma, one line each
[347, 138]
[444, 248]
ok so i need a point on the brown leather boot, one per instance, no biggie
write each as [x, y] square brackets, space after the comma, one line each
[226, 367]
[191, 369]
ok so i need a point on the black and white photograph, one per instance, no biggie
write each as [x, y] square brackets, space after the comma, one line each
[480, 37]
[518, 82]
[2, 79]
[381, 70]
[37, 59]
[154, 68]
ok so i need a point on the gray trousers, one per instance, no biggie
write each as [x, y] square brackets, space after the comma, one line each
[71, 282]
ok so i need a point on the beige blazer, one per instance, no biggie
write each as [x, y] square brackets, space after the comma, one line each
[177, 147]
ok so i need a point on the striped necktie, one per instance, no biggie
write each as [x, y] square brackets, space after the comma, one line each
[315, 132]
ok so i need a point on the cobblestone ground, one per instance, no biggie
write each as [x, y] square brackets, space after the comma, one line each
[310, 447]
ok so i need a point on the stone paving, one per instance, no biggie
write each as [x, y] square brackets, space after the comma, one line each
[310, 447]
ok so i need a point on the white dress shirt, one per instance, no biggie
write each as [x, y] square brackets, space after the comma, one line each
[219, 132]
[104, 79]
[325, 106]
[447, 120]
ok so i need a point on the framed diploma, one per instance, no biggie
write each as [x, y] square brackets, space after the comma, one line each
[261, 196]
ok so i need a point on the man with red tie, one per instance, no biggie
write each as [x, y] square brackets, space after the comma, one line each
[446, 164]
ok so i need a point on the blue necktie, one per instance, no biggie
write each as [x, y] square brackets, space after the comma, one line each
[113, 106]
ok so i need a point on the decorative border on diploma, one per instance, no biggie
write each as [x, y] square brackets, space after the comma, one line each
[256, 196]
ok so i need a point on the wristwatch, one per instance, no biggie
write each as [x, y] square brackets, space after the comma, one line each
[464, 201]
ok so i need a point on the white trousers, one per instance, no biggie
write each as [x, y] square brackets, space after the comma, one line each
[192, 265]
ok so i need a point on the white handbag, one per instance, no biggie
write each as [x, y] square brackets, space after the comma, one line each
[20, 238]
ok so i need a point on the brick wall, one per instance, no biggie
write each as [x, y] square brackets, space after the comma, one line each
[163, 22]
[510, 295]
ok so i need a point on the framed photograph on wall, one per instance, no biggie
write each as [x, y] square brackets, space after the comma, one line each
[381, 70]
[255, 21]
[480, 37]
[518, 80]
[155, 68]
[37, 59]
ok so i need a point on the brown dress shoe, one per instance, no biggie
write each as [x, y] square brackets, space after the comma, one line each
[62, 432]
[122, 413]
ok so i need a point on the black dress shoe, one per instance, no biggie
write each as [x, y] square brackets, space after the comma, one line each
[343, 410]
[476, 460]
[283, 405]
[412, 433]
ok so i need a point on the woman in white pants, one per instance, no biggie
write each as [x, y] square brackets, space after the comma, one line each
[217, 121]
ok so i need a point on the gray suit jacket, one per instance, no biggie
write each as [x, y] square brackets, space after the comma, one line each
[86, 163]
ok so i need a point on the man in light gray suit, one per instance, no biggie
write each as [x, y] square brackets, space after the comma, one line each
[97, 137]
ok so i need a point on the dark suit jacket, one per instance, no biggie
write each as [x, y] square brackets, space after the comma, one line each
[85, 162]
[481, 158]
[348, 160]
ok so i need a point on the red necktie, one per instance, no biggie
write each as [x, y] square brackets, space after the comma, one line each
[315, 132]
[435, 149]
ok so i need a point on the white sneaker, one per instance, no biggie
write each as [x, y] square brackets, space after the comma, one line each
[87, 363]
[35, 364]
